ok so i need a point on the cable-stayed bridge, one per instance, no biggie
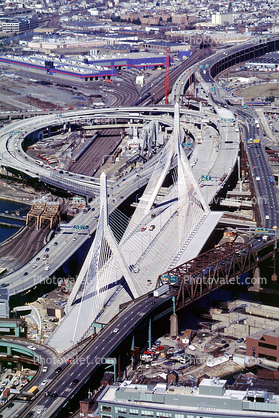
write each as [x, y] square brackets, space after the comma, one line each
[158, 237]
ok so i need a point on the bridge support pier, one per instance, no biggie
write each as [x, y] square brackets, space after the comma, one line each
[274, 276]
[173, 325]
[132, 349]
[149, 333]
[113, 362]
[173, 321]
[256, 280]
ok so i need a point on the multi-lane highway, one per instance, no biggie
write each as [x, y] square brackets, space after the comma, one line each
[89, 359]
[69, 240]
[110, 337]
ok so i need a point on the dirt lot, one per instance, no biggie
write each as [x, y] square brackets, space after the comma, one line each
[259, 90]
[19, 91]
[270, 88]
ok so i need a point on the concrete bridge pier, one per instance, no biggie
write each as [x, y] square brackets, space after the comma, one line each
[256, 280]
[274, 276]
[173, 321]
[149, 333]
[36, 135]
[173, 325]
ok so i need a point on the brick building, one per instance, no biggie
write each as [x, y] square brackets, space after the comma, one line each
[264, 343]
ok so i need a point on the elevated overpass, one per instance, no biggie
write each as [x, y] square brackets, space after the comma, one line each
[52, 410]
[69, 240]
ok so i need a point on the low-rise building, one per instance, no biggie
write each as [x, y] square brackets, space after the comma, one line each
[212, 398]
[264, 344]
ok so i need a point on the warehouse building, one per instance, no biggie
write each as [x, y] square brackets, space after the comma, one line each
[211, 399]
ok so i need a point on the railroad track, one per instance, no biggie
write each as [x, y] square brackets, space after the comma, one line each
[24, 245]
[156, 93]
[128, 94]
[103, 146]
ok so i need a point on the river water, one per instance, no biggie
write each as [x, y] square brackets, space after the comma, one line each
[6, 230]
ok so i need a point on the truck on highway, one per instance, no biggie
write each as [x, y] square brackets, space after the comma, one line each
[161, 290]
[271, 180]
[32, 392]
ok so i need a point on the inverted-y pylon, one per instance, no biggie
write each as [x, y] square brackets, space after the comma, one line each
[101, 273]
[190, 199]
[191, 204]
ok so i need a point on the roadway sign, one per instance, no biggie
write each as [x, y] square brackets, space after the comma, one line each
[261, 229]
[173, 279]
[79, 226]
[164, 276]
[204, 177]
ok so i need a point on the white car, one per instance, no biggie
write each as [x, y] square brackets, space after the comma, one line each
[47, 268]
[116, 330]
[44, 369]
[31, 347]
[40, 410]
[44, 382]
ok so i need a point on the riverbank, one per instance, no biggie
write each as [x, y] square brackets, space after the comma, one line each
[13, 200]
[15, 194]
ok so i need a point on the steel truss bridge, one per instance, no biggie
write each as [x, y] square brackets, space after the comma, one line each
[217, 267]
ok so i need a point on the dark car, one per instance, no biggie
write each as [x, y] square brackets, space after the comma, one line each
[25, 274]
[30, 414]
[11, 405]
[58, 370]
[240, 340]
[226, 345]
[75, 381]
[47, 249]
[56, 243]
[54, 394]
[5, 284]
